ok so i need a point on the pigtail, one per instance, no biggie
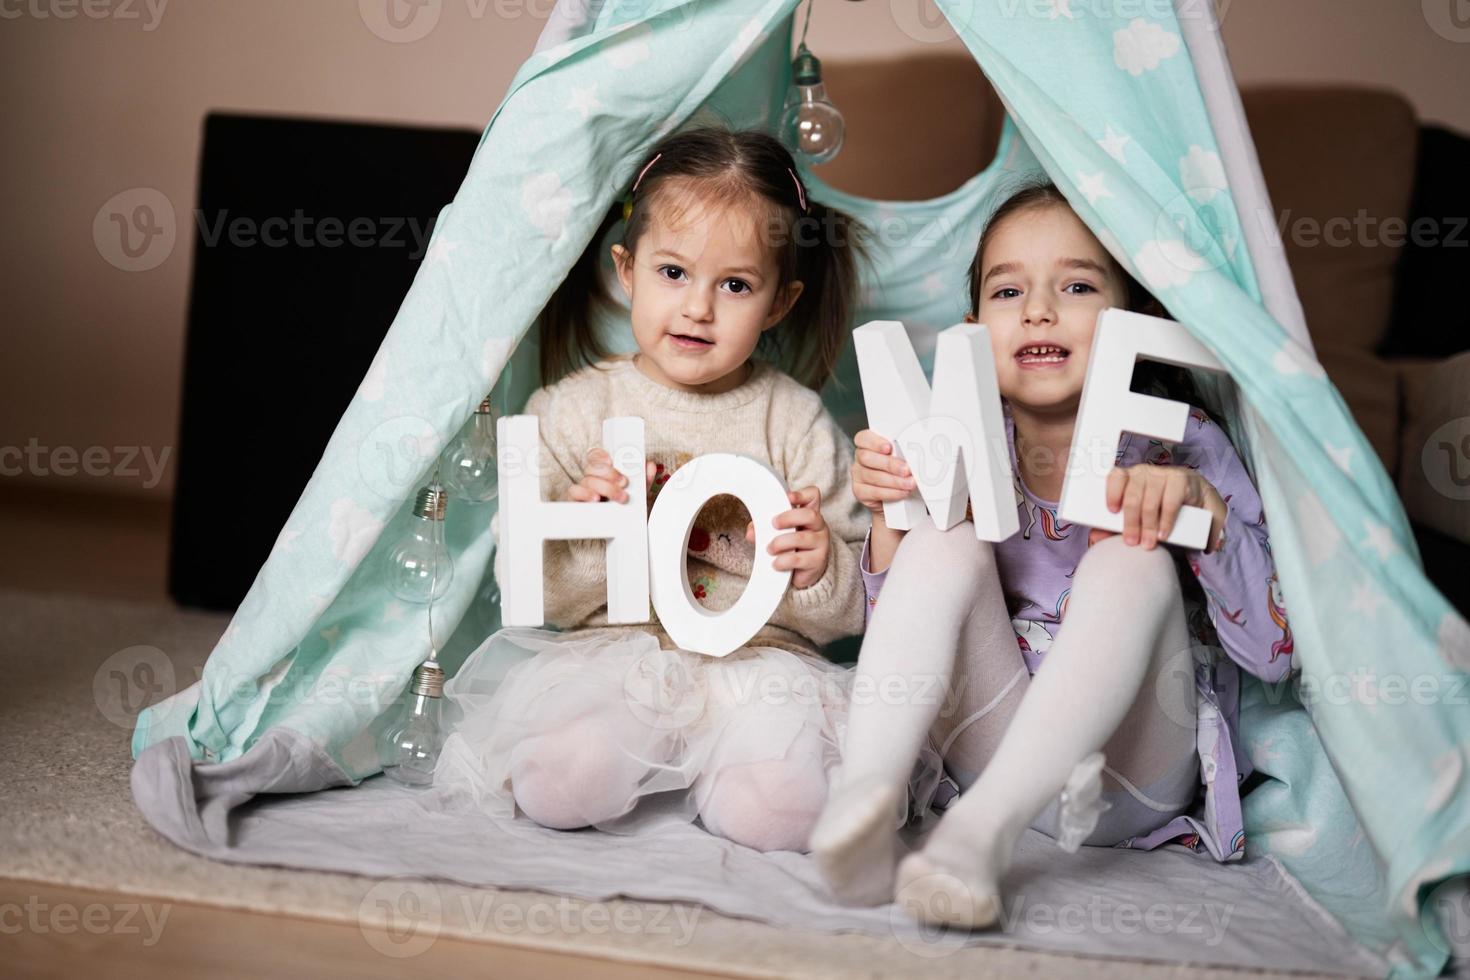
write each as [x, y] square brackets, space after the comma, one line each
[568, 331]
[828, 249]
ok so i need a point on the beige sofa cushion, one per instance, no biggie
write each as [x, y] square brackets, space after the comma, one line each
[1339, 165]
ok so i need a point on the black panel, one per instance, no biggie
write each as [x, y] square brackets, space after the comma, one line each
[1431, 309]
[285, 317]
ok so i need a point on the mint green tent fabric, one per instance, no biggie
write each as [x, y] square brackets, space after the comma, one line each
[1368, 797]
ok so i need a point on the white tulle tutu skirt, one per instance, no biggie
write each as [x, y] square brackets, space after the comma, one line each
[605, 728]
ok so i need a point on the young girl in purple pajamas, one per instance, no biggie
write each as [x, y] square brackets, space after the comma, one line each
[1130, 671]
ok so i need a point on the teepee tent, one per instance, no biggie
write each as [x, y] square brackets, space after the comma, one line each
[1137, 120]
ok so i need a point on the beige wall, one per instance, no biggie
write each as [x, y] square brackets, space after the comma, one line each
[98, 106]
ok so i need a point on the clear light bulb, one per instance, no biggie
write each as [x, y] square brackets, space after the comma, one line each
[419, 565]
[469, 461]
[409, 747]
[810, 124]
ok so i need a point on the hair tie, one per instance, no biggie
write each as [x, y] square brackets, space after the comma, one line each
[628, 201]
[644, 171]
[800, 193]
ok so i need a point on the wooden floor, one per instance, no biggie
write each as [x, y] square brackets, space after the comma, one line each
[51, 931]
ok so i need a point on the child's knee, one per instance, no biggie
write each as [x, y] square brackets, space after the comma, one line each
[768, 806]
[1139, 570]
[966, 560]
[573, 779]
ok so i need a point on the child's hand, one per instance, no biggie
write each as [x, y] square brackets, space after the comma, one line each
[804, 551]
[878, 476]
[600, 481]
[1150, 497]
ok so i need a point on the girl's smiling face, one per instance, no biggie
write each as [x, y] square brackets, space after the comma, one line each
[1043, 280]
[702, 292]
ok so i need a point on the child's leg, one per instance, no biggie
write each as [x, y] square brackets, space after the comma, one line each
[1114, 665]
[769, 739]
[770, 804]
[588, 773]
[941, 595]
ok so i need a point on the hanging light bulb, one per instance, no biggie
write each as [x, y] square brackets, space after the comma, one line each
[410, 745]
[418, 567]
[469, 461]
[810, 124]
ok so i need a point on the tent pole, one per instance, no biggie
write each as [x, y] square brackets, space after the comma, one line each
[1258, 227]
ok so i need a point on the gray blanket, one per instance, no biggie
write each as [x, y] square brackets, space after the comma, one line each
[285, 803]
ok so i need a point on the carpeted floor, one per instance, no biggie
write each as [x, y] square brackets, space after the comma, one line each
[77, 670]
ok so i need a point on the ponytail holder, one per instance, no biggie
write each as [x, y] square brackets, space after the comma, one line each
[800, 192]
[627, 207]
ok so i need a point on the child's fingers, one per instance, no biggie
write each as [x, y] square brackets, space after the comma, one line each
[605, 488]
[799, 517]
[1174, 494]
[866, 492]
[885, 477]
[868, 439]
[806, 497]
[795, 541]
[1153, 498]
[650, 470]
[1132, 504]
[883, 463]
[605, 471]
[1117, 483]
[582, 494]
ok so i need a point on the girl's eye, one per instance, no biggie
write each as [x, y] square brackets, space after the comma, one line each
[1006, 292]
[671, 272]
[1082, 288]
[738, 286]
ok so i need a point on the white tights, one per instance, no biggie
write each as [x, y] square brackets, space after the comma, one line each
[590, 774]
[1118, 678]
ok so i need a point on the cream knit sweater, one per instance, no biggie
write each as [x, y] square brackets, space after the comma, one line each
[771, 418]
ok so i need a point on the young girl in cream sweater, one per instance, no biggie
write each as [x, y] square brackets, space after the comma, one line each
[723, 258]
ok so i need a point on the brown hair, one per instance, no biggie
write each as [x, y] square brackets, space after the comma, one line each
[816, 245]
[1150, 377]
